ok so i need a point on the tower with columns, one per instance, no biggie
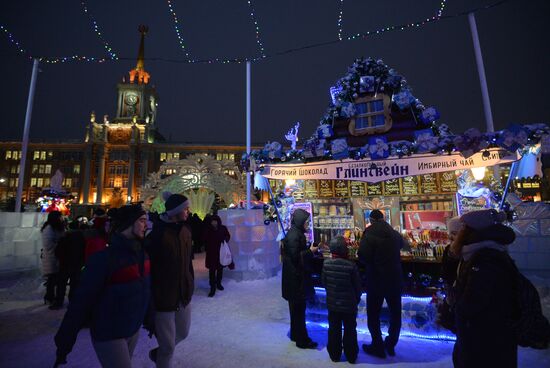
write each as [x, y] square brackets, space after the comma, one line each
[117, 152]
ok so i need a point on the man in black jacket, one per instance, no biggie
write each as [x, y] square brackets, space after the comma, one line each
[379, 251]
[172, 277]
[343, 285]
[297, 286]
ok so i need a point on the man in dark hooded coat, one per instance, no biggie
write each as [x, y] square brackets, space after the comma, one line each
[297, 286]
[379, 251]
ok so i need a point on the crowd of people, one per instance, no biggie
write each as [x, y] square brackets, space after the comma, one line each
[127, 269]
[130, 269]
[479, 275]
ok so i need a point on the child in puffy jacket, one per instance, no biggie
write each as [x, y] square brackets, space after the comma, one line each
[343, 286]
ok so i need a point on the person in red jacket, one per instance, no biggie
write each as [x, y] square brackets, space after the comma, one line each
[96, 238]
[214, 235]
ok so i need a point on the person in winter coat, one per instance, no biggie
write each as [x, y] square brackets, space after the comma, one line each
[297, 286]
[379, 251]
[113, 296]
[449, 266]
[52, 230]
[172, 276]
[70, 253]
[485, 300]
[196, 232]
[213, 237]
[343, 286]
[96, 237]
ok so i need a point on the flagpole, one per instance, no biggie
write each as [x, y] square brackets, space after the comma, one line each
[248, 189]
[25, 142]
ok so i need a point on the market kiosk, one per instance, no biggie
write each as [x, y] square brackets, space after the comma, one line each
[379, 147]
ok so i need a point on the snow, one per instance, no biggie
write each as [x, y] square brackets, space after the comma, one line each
[246, 325]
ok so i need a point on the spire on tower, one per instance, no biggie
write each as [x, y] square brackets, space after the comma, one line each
[139, 72]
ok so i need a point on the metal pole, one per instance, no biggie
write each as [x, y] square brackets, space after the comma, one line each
[25, 142]
[483, 82]
[248, 184]
[508, 182]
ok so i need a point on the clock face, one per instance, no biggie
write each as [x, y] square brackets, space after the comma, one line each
[131, 99]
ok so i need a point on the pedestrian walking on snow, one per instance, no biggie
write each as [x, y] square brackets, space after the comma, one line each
[172, 277]
[52, 230]
[216, 233]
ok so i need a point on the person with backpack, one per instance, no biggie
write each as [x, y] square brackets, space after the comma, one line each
[52, 230]
[343, 286]
[297, 285]
[113, 296]
[484, 291]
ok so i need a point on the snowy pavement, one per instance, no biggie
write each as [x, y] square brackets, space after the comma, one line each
[244, 326]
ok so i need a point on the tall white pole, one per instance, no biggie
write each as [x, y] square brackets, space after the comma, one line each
[248, 184]
[25, 142]
[483, 82]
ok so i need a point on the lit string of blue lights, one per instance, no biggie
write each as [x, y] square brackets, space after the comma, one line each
[74, 58]
[256, 28]
[95, 26]
[340, 19]
[178, 32]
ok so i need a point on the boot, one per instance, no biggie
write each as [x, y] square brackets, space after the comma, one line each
[389, 348]
[212, 291]
[375, 350]
[219, 286]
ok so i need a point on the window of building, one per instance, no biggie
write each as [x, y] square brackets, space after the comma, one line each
[119, 170]
[232, 156]
[33, 182]
[372, 115]
[118, 182]
[125, 183]
[42, 155]
[170, 171]
[112, 169]
[47, 169]
[67, 182]
[176, 155]
[15, 169]
[36, 155]
[41, 169]
[34, 169]
[111, 182]
[40, 182]
[163, 156]
[47, 182]
[76, 169]
[13, 182]
[50, 155]
[8, 155]
[219, 156]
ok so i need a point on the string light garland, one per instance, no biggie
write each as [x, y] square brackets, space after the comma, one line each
[106, 45]
[402, 27]
[239, 60]
[340, 16]
[177, 29]
[256, 28]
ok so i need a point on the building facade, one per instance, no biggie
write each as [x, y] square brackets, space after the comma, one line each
[116, 155]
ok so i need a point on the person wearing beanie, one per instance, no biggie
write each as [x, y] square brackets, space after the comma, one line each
[297, 286]
[379, 252]
[113, 295]
[485, 301]
[341, 280]
[172, 277]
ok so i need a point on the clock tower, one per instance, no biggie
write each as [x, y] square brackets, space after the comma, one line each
[137, 100]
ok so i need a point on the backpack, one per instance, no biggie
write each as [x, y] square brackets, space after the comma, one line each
[531, 326]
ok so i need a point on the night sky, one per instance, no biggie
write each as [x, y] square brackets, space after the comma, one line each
[206, 103]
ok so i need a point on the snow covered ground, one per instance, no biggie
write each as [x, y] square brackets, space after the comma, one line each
[245, 325]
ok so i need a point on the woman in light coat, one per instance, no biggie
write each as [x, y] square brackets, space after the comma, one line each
[52, 230]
